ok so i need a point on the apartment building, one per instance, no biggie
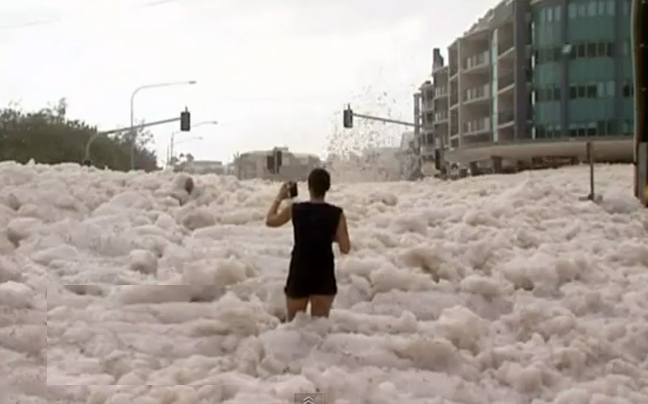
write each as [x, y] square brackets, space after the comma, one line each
[533, 78]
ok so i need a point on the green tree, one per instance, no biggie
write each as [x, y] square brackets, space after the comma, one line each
[49, 137]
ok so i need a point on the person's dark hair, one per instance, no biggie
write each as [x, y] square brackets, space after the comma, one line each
[319, 182]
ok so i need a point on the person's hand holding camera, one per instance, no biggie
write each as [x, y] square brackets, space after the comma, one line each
[284, 191]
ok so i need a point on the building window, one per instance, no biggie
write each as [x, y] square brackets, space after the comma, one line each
[628, 90]
[610, 49]
[581, 91]
[626, 8]
[602, 48]
[591, 129]
[581, 50]
[602, 9]
[592, 50]
[610, 7]
[611, 90]
[592, 90]
[572, 11]
[591, 9]
[582, 10]
[557, 13]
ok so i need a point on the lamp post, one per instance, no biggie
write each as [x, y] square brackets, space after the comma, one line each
[172, 143]
[133, 132]
[170, 159]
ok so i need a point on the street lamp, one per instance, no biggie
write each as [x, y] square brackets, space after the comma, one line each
[170, 153]
[132, 109]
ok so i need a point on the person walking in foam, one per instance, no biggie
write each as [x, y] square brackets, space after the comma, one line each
[316, 226]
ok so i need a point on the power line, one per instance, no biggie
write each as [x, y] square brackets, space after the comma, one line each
[49, 21]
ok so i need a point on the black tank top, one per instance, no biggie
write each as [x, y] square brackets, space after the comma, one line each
[315, 226]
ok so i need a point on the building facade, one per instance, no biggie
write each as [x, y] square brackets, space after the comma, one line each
[204, 167]
[531, 72]
[294, 166]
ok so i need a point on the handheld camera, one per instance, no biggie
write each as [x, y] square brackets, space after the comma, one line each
[292, 190]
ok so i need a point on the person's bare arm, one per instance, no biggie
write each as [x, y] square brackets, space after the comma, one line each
[276, 218]
[342, 235]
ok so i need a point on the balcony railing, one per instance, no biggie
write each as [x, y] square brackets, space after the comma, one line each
[441, 116]
[477, 60]
[477, 93]
[505, 117]
[427, 105]
[505, 81]
[504, 47]
[441, 91]
[478, 125]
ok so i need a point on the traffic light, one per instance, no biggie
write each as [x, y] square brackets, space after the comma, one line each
[185, 120]
[348, 117]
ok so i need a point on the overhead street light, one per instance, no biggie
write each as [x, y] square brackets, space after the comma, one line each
[133, 132]
[170, 153]
[172, 142]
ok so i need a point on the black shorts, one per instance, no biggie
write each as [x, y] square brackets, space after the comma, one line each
[303, 283]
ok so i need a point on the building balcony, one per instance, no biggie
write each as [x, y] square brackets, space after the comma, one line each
[477, 126]
[441, 91]
[505, 117]
[478, 61]
[505, 48]
[427, 105]
[454, 99]
[441, 117]
[479, 93]
[505, 81]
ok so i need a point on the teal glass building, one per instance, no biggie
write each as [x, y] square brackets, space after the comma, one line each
[582, 78]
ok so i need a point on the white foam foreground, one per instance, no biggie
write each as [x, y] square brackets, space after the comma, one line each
[503, 289]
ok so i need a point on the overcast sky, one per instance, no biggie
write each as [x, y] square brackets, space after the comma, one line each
[272, 72]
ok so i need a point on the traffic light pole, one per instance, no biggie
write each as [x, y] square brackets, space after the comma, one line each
[347, 121]
[125, 129]
[386, 120]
